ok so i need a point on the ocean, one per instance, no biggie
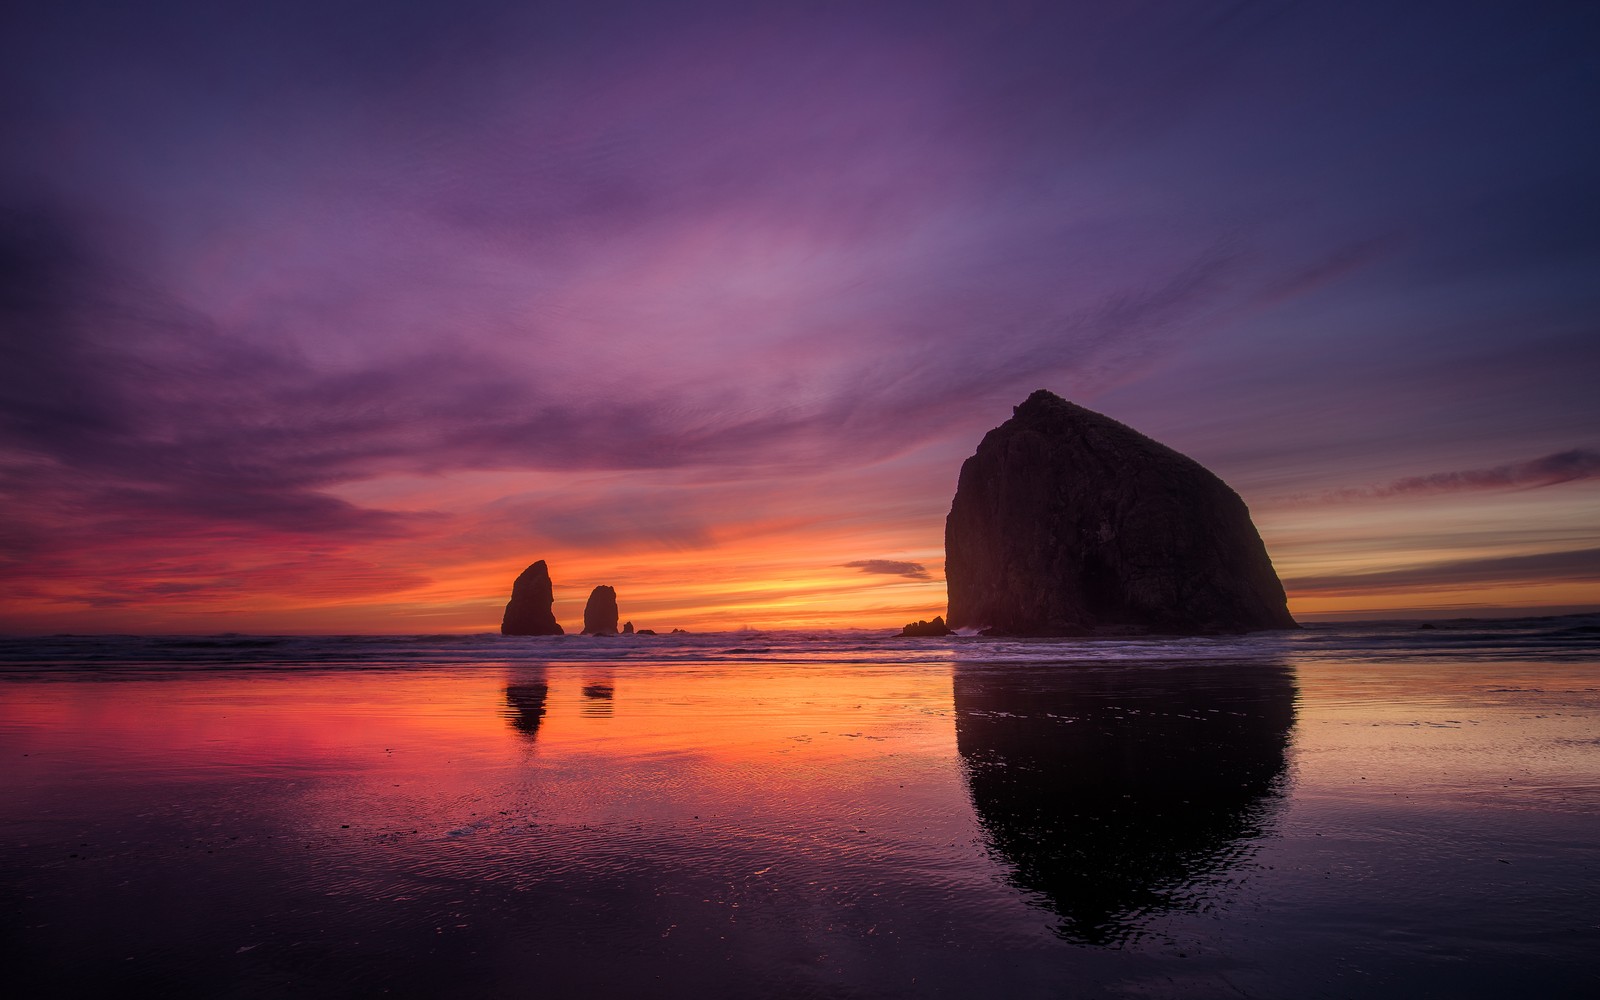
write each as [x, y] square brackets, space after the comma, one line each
[1381, 809]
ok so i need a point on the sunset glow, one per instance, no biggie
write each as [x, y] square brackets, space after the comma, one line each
[334, 319]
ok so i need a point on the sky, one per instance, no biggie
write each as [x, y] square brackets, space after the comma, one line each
[333, 316]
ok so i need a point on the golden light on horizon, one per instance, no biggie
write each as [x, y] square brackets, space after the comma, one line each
[788, 566]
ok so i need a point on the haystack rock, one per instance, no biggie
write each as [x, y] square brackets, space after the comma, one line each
[1066, 522]
[600, 614]
[528, 612]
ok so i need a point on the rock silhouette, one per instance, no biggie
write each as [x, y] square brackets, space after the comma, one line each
[600, 614]
[528, 611]
[919, 628]
[627, 628]
[1066, 522]
[1117, 793]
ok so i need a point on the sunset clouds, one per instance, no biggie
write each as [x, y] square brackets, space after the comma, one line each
[1568, 466]
[348, 313]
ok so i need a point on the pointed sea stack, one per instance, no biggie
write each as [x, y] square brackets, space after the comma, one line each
[1066, 522]
[600, 614]
[528, 611]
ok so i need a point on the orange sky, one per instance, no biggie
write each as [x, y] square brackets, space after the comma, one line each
[777, 556]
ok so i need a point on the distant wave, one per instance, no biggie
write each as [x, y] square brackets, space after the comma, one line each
[1566, 637]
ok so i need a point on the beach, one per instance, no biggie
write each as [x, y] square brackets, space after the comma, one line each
[1348, 810]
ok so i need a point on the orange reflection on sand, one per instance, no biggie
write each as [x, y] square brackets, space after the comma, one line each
[258, 720]
[446, 769]
[434, 734]
[729, 712]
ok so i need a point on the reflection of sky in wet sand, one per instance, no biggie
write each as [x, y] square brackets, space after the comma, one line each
[1117, 792]
[824, 829]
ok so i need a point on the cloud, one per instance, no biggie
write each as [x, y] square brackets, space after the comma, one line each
[1574, 565]
[890, 567]
[116, 403]
[118, 398]
[295, 251]
[47, 390]
[1550, 470]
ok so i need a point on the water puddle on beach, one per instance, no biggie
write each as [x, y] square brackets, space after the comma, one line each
[943, 825]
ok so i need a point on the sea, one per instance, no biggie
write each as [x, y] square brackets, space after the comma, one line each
[1374, 809]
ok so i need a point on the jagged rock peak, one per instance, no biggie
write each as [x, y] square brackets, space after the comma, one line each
[600, 614]
[920, 628]
[528, 611]
[1066, 522]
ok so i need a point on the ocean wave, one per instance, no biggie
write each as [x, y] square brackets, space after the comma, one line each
[1567, 637]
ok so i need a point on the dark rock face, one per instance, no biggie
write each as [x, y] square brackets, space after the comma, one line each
[627, 628]
[1066, 522]
[600, 614]
[528, 611]
[919, 628]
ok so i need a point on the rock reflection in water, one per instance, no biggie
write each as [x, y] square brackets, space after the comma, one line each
[1116, 792]
[526, 695]
[598, 691]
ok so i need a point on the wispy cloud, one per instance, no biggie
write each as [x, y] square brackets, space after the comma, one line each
[1578, 564]
[1549, 470]
[591, 253]
[890, 567]
[120, 394]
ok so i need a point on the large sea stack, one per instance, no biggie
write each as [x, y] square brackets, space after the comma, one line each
[1066, 522]
[600, 614]
[528, 611]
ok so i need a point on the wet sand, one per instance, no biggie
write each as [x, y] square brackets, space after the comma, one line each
[1267, 826]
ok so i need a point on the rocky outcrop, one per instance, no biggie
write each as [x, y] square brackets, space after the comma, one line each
[1066, 522]
[920, 628]
[528, 611]
[600, 614]
[627, 628]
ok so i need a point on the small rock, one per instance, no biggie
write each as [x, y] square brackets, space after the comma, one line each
[920, 628]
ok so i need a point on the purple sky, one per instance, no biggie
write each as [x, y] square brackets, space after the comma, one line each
[336, 315]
